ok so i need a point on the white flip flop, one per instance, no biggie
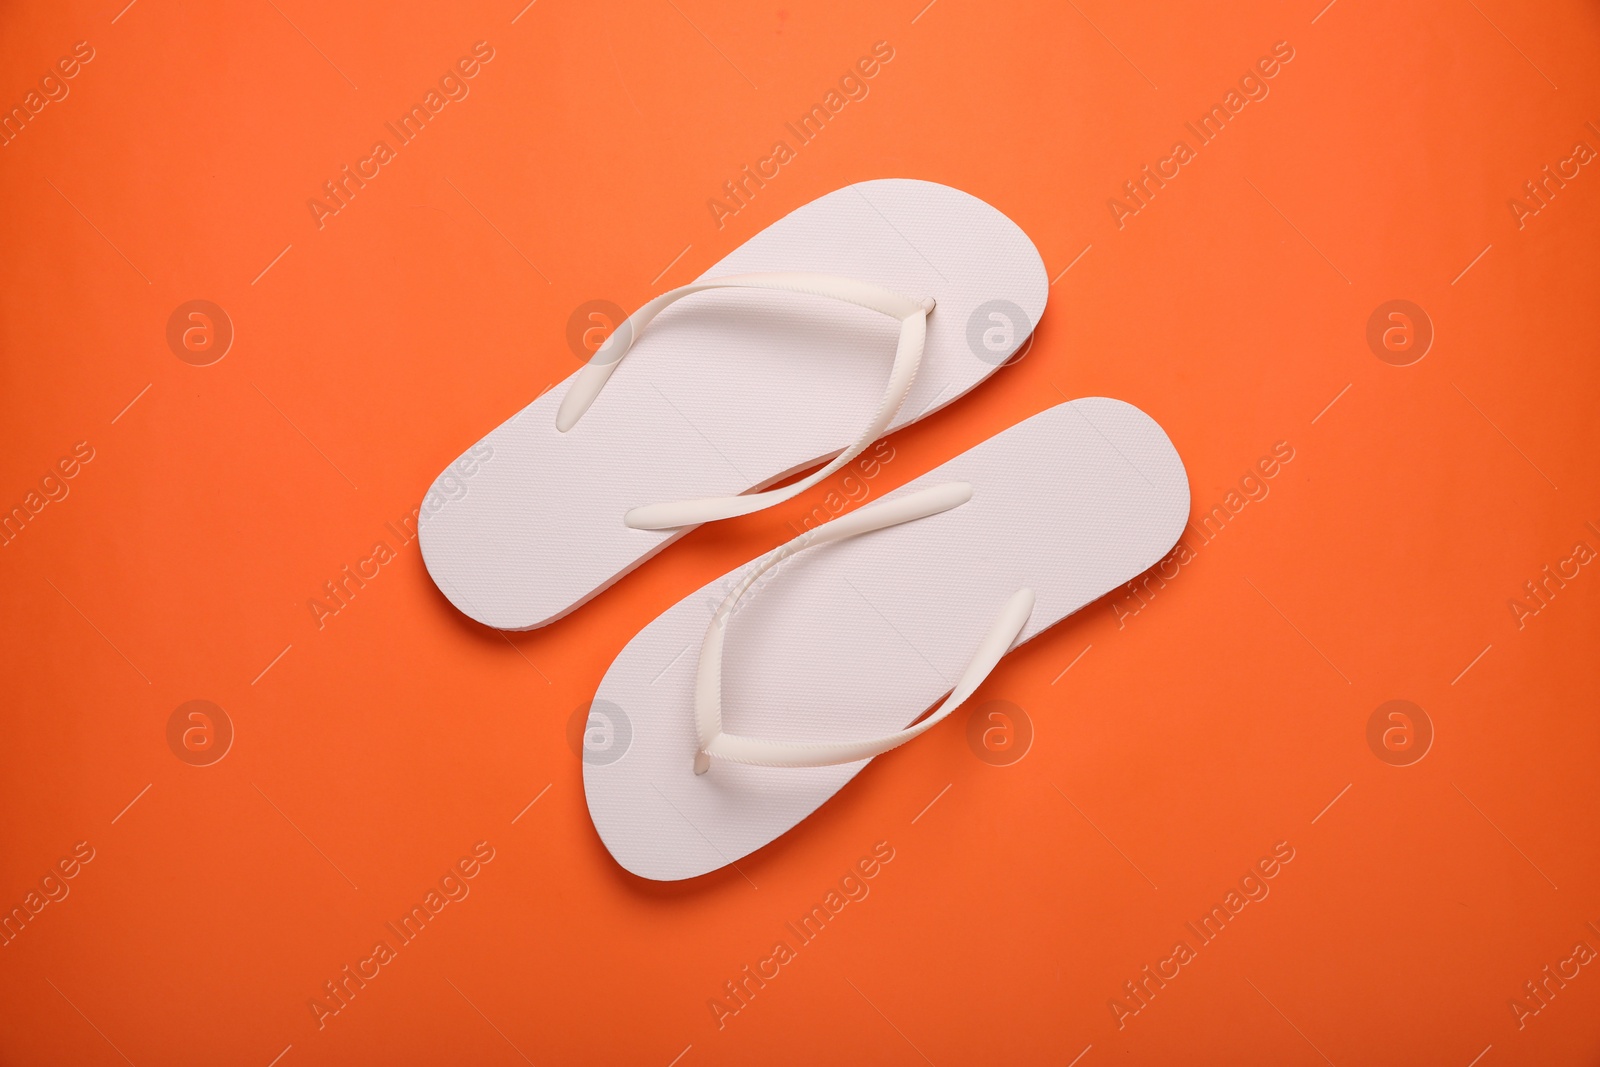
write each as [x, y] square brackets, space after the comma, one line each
[733, 715]
[771, 362]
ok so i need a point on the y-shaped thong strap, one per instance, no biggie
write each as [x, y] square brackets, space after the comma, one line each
[592, 378]
[708, 678]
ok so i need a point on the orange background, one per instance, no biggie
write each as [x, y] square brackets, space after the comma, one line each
[1223, 718]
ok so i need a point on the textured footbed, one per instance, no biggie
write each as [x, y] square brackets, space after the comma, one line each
[727, 391]
[859, 638]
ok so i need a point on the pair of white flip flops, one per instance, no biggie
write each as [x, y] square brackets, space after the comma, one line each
[740, 710]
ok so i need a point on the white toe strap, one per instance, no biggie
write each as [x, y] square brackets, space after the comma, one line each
[912, 314]
[708, 679]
